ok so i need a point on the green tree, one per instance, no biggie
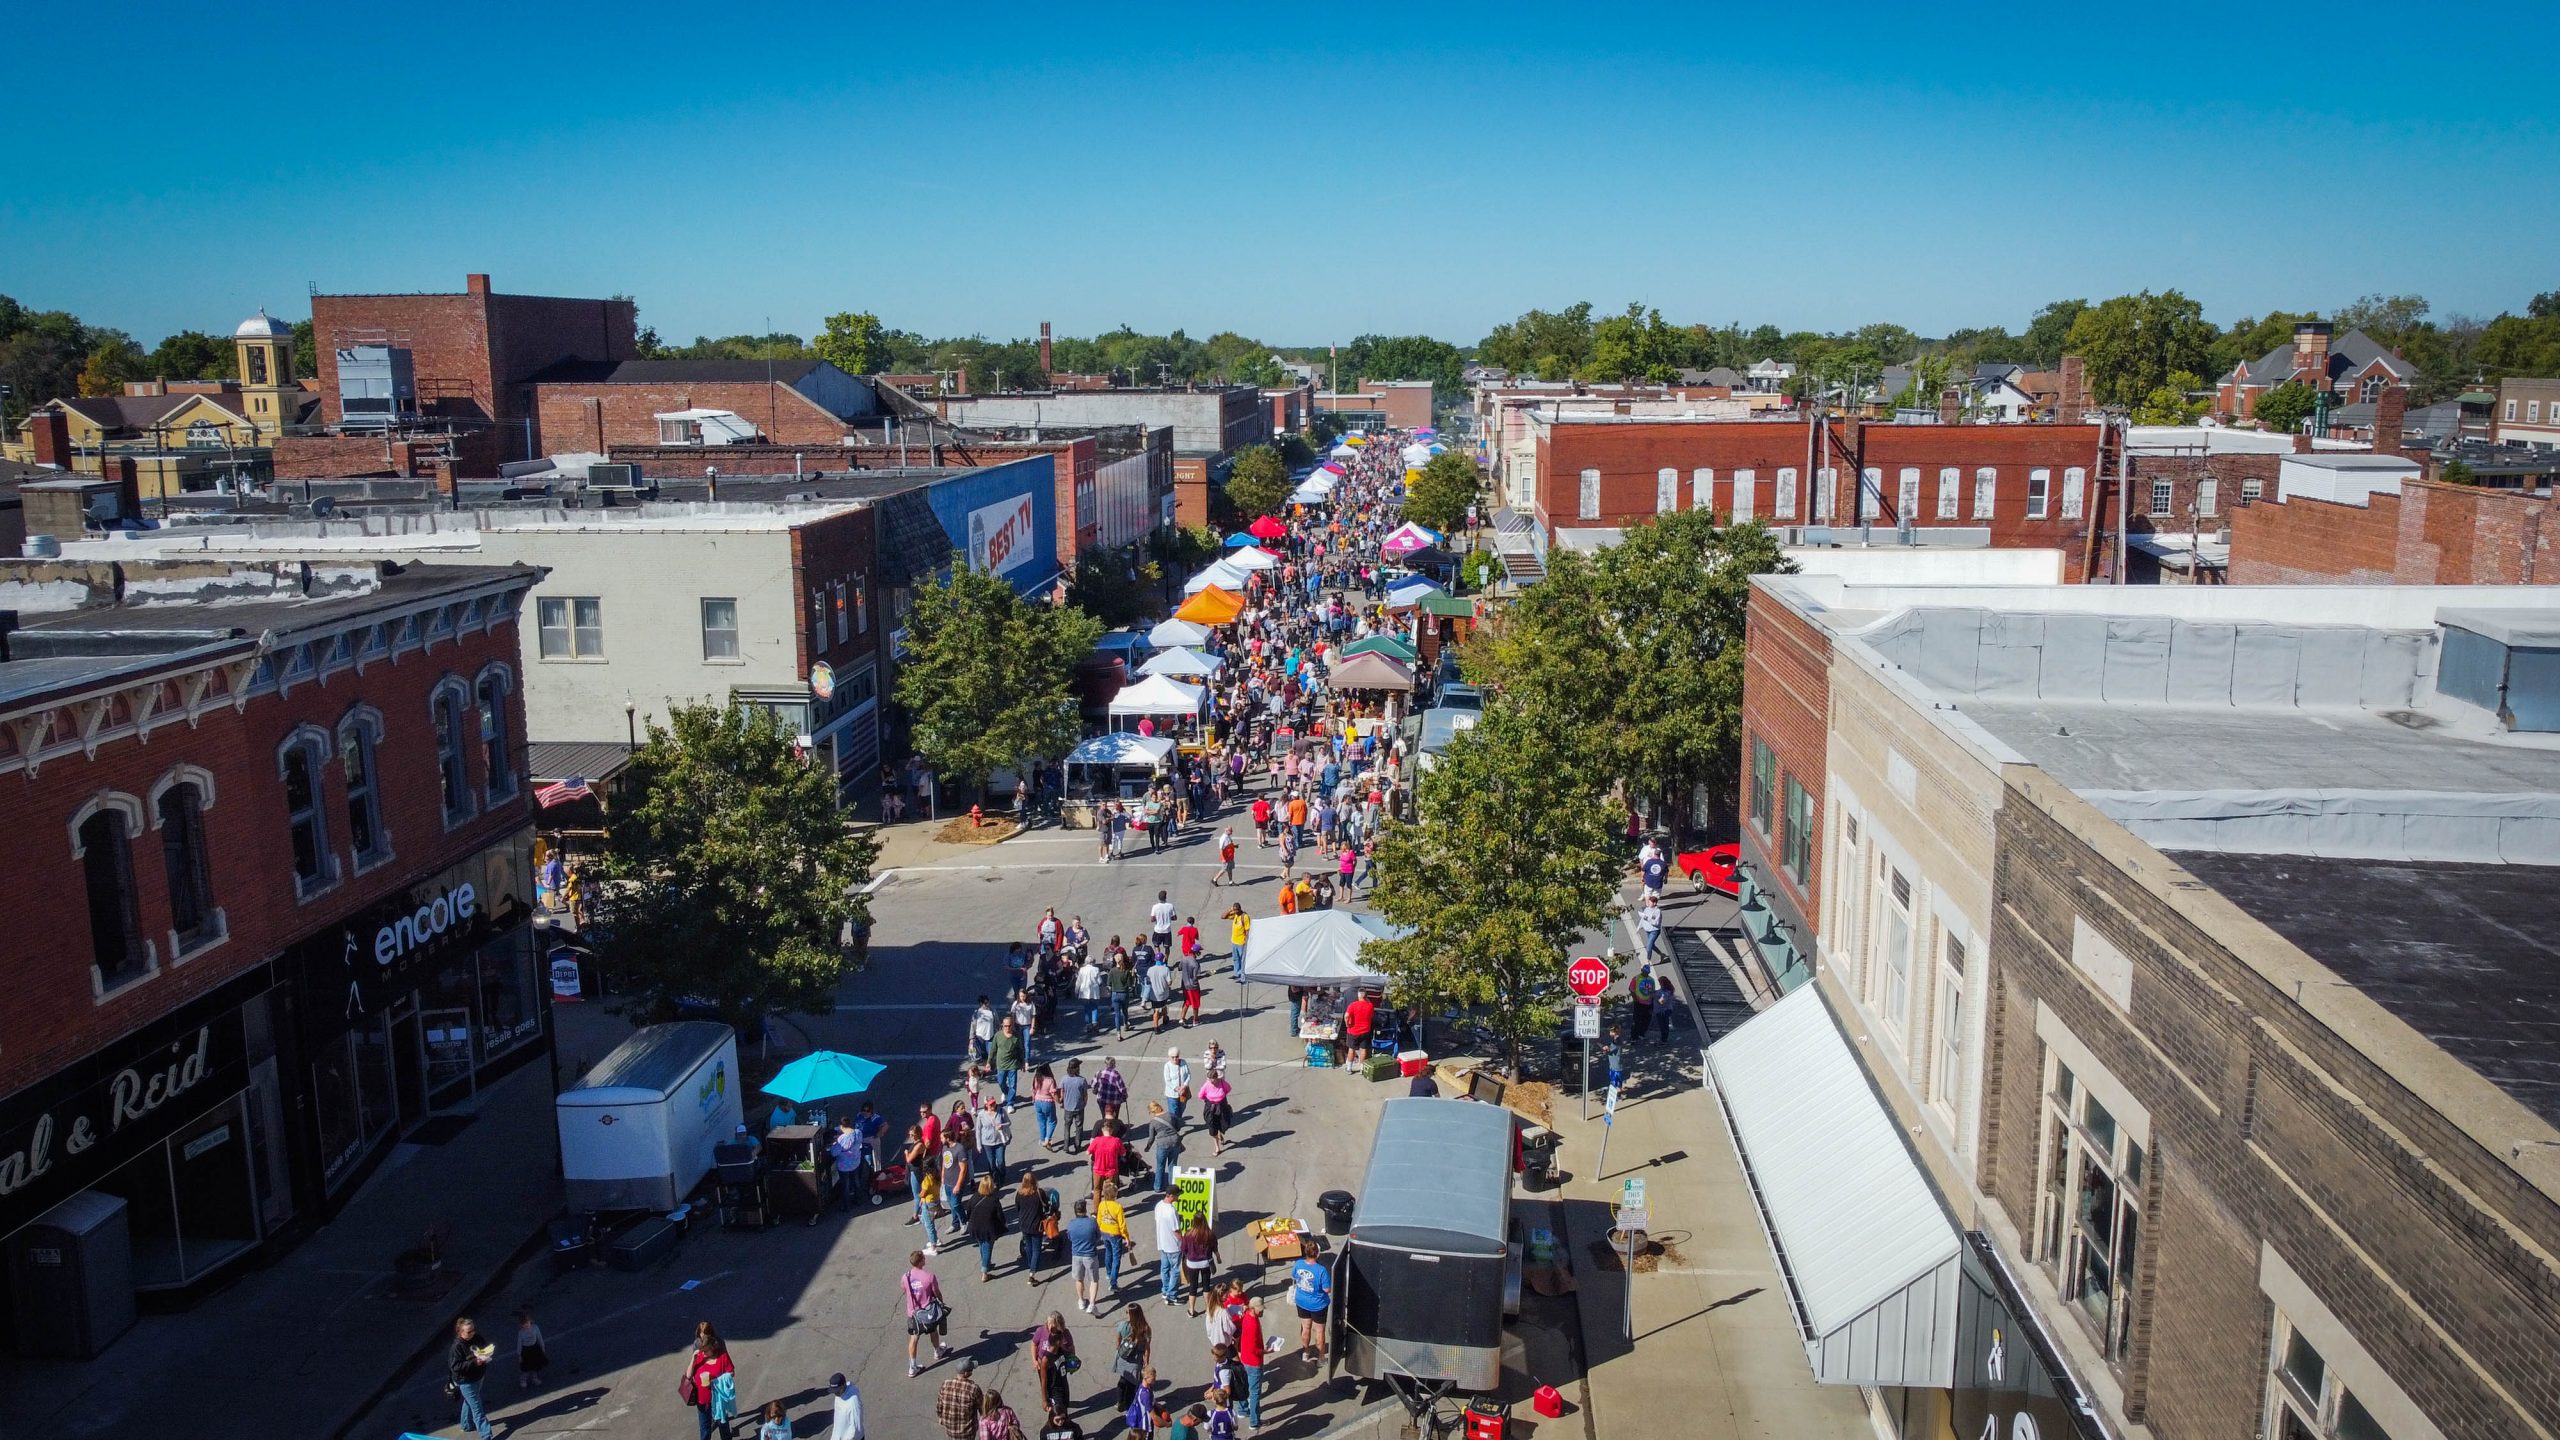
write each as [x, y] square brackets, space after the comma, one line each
[1257, 484]
[1114, 586]
[1678, 587]
[2248, 339]
[41, 355]
[193, 355]
[2132, 342]
[1551, 345]
[1513, 860]
[2285, 407]
[855, 343]
[2049, 333]
[2177, 402]
[989, 678]
[113, 360]
[306, 348]
[2456, 472]
[1438, 496]
[728, 875]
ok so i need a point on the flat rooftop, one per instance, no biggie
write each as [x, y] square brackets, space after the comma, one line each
[2465, 954]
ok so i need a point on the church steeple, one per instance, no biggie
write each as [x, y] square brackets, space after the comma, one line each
[267, 383]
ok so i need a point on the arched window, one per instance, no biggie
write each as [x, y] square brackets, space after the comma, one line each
[358, 735]
[178, 811]
[102, 841]
[302, 764]
[450, 704]
[496, 684]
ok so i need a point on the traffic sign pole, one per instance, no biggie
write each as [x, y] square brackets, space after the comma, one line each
[1589, 976]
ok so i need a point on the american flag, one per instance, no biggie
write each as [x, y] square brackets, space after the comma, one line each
[573, 788]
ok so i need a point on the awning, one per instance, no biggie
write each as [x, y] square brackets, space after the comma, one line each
[1251, 558]
[1870, 1261]
[1453, 606]
[1221, 574]
[1177, 632]
[1181, 660]
[1212, 606]
[1394, 647]
[1122, 748]
[1158, 695]
[1369, 671]
[1315, 947]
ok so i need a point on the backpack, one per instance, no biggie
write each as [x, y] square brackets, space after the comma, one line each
[1049, 1227]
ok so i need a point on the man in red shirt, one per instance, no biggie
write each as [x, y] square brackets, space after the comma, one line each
[1249, 1357]
[1356, 1018]
[1106, 1149]
[1262, 821]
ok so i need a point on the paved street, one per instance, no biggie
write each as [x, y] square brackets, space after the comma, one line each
[798, 1302]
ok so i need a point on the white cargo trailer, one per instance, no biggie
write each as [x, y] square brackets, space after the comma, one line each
[637, 1132]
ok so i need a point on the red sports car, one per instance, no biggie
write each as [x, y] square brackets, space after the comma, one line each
[1712, 868]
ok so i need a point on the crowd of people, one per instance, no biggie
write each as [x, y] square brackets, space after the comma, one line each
[1308, 770]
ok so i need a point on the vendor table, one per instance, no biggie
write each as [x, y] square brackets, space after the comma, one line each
[795, 1172]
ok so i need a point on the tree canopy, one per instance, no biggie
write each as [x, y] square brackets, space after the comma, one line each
[1637, 651]
[1257, 483]
[2132, 342]
[2285, 407]
[1438, 496]
[989, 677]
[855, 343]
[728, 874]
[1514, 857]
[2179, 400]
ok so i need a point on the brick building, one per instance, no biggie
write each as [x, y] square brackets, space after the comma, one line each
[270, 895]
[1210, 423]
[473, 354]
[2527, 412]
[2201, 987]
[1379, 404]
[1786, 691]
[2348, 369]
[1996, 486]
[594, 406]
[2418, 532]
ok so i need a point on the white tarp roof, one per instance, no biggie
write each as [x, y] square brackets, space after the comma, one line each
[1158, 695]
[1182, 660]
[1251, 557]
[1177, 632]
[1870, 1260]
[1315, 947]
[1220, 574]
[1122, 748]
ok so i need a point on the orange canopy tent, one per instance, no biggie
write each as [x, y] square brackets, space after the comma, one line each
[1212, 606]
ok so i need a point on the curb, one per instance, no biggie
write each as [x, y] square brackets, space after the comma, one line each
[498, 1279]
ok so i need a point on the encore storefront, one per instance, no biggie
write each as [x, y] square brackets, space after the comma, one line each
[409, 1006]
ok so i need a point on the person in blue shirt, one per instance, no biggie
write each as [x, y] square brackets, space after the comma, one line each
[1311, 1290]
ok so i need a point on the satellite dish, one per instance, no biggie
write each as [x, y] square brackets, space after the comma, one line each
[325, 506]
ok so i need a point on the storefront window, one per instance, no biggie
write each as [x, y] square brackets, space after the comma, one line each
[510, 1001]
[351, 1092]
[190, 1201]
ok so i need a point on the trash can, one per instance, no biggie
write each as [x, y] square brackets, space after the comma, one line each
[1487, 1418]
[1538, 1156]
[1335, 1206]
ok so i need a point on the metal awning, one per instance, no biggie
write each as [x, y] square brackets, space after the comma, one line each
[1870, 1260]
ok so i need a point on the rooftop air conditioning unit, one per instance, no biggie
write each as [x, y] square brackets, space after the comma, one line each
[620, 477]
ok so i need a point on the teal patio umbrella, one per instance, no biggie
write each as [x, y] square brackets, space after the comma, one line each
[823, 1075]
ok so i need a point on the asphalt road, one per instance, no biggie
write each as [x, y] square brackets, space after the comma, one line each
[798, 1302]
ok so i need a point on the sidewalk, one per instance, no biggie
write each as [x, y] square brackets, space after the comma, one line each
[1714, 1341]
[300, 1347]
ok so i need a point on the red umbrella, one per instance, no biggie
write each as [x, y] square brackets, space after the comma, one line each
[1266, 528]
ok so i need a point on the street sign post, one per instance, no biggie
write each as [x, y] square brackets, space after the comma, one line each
[1634, 1218]
[1589, 976]
[1609, 1122]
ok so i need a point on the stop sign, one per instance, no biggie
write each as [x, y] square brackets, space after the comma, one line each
[1587, 976]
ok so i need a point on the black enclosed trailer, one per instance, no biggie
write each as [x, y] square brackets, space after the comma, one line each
[1423, 1275]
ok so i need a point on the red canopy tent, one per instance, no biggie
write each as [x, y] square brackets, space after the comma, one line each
[1266, 528]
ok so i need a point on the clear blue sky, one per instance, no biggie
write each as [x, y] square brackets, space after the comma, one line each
[1297, 172]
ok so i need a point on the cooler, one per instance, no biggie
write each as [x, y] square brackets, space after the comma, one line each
[1412, 1062]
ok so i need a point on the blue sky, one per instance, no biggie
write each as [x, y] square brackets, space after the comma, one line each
[1301, 173]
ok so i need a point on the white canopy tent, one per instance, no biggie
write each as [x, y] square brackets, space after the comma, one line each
[1311, 493]
[1169, 633]
[1346, 452]
[1315, 947]
[1117, 765]
[1220, 574]
[1158, 695]
[1416, 456]
[1251, 557]
[1182, 660]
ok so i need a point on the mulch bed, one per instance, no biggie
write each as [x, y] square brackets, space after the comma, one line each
[961, 832]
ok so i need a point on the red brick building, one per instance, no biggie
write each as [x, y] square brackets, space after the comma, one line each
[1786, 723]
[1396, 404]
[2351, 368]
[2030, 486]
[584, 405]
[2430, 533]
[269, 889]
[475, 353]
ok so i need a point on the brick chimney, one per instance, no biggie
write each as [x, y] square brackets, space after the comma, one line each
[1044, 347]
[2074, 397]
[2390, 419]
[1951, 406]
[2311, 352]
[52, 438]
[446, 490]
[128, 483]
[476, 285]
